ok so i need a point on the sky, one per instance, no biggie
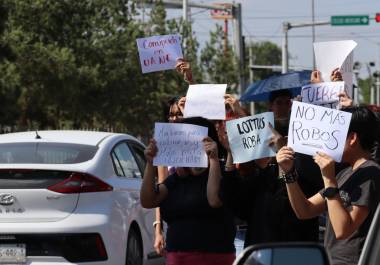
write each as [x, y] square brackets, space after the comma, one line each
[263, 19]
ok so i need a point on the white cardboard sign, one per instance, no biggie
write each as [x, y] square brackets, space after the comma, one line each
[180, 145]
[206, 101]
[249, 137]
[336, 54]
[322, 94]
[314, 129]
[159, 53]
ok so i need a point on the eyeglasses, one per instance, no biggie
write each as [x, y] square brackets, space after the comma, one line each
[175, 115]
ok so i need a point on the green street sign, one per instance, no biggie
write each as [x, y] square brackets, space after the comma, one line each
[350, 20]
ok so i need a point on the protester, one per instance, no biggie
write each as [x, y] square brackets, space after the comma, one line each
[349, 197]
[200, 229]
[260, 198]
[172, 113]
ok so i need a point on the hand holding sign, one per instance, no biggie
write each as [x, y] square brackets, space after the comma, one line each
[210, 147]
[326, 164]
[184, 68]
[315, 77]
[344, 100]
[336, 75]
[150, 151]
[285, 159]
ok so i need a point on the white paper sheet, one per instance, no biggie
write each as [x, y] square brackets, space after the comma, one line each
[207, 101]
[313, 128]
[335, 54]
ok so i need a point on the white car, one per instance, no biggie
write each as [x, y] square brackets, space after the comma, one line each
[73, 197]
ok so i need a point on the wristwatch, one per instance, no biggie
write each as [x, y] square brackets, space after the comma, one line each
[330, 192]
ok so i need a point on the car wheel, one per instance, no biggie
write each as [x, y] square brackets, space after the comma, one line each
[134, 249]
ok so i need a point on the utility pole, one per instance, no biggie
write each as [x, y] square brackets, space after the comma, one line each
[252, 105]
[313, 29]
[286, 27]
[185, 10]
[285, 60]
[377, 89]
[236, 10]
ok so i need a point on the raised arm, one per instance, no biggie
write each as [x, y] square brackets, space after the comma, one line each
[151, 197]
[303, 207]
[215, 174]
[184, 68]
[344, 221]
[235, 105]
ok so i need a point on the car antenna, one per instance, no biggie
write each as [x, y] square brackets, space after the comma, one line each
[37, 135]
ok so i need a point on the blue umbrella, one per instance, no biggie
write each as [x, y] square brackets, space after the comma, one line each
[260, 90]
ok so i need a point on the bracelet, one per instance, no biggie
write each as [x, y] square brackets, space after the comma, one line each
[156, 223]
[230, 167]
[289, 177]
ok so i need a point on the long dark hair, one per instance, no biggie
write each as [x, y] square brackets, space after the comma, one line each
[364, 123]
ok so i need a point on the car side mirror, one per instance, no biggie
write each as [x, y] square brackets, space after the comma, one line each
[283, 254]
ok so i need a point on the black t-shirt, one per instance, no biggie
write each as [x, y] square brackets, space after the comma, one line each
[192, 224]
[360, 188]
[261, 199]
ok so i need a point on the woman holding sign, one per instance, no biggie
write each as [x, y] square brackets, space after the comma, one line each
[349, 197]
[200, 229]
[173, 112]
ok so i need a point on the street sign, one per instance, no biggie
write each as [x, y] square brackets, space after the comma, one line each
[357, 20]
[222, 14]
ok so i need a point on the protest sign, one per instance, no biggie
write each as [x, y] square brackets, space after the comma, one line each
[159, 53]
[206, 101]
[336, 54]
[314, 128]
[249, 137]
[180, 145]
[322, 94]
[347, 70]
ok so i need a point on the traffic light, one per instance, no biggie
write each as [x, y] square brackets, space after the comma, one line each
[377, 17]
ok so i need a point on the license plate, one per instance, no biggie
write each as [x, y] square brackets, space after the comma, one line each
[12, 254]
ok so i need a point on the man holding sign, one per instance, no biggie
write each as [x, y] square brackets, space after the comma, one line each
[349, 197]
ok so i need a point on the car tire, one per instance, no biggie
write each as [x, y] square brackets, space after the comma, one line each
[134, 248]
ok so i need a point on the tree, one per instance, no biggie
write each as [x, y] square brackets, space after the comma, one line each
[76, 65]
[264, 53]
[218, 62]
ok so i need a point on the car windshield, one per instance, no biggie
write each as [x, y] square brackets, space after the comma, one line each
[45, 153]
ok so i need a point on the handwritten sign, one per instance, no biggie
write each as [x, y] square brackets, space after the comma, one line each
[180, 145]
[322, 94]
[314, 128]
[347, 70]
[336, 54]
[159, 53]
[249, 137]
[206, 101]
